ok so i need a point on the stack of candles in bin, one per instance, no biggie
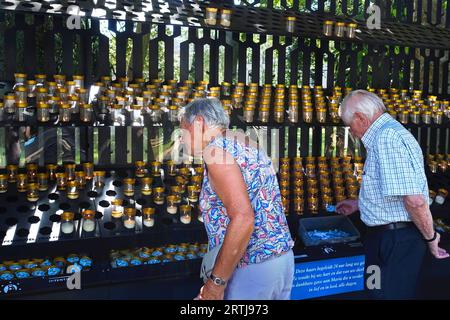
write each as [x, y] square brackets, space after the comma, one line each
[162, 254]
[44, 267]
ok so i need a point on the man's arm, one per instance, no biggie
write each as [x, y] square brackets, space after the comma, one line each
[228, 183]
[420, 214]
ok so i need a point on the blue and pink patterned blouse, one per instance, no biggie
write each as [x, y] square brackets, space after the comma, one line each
[271, 236]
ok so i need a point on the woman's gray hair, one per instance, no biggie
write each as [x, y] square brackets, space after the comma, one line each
[210, 109]
[367, 103]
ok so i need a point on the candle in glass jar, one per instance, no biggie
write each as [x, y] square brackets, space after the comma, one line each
[171, 204]
[88, 169]
[43, 112]
[72, 191]
[86, 112]
[64, 112]
[61, 181]
[328, 28]
[70, 171]
[146, 186]
[99, 179]
[225, 18]
[158, 195]
[117, 208]
[42, 179]
[148, 217]
[20, 111]
[88, 220]
[51, 170]
[32, 169]
[156, 168]
[249, 113]
[21, 182]
[129, 221]
[441, 196]
[67, 224]
[80, 178]
[3, 183]
[32, 192]
[185, 214]
[171, 168]
[128, 187]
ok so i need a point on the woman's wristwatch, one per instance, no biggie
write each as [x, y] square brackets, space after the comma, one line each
[217, 281]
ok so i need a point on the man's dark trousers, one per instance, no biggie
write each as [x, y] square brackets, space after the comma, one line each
[399, 253]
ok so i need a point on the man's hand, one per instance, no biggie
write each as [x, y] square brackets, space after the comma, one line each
[210, 291]
[347, 207]
[436, 251]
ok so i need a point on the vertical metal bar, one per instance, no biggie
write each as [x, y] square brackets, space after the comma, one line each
[41, 146]
[322, 149]
[310, 141]
[113, 145]
[2, 148]
[129, 144]
[145, 145]
[274, 147]
[77, 145]
[299, 136]
[95, 145]
[346, 141]
[59, 146]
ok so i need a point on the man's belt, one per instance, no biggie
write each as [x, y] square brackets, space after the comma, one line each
[391, 226]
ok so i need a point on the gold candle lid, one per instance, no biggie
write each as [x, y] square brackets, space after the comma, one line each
[67, 215]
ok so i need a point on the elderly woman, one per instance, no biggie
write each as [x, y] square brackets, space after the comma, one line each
[242, 210]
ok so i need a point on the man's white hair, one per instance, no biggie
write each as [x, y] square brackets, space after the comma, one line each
[365, 102]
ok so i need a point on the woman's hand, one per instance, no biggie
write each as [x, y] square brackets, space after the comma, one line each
[347, 207]
[210, 291]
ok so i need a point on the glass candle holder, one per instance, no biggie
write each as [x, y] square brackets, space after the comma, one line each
[339, 191]
[351, 30]
[279, 114]
[51, 170]
[128, 187]
[86, 112]
[441, 196]
[21, 180]
[437, 117]
[290, 24]
[99, 179]
[156, 168]
[3, 183]
[326, 201]
[117, 208]
[339, 29]
[80, 178]
[442, 166]
[158, 195]
[42, 180]
[61, 181]
[32, 192]
[433, 166]
[67, 224]
[136, 116]
[129, 220]
[43, 112]
[185, 214]
[308, 115]
[298, 205]
[155, 113]
[263, 115]
[426, 117]
[293, 114]
[171, 168]
[148, 217]
[432, 197]
[313, 204]
[192, 193]
[69, 168]
[32, 169]
[173, 114]
[146, 186]
[225, 18]
[72, 190]
[20, 93]
[88, 220]
[171, 204]
[64, 113]
[321, 115]
[328, 28]
[88, 169]
[20, 111]
[249, 113]
[211, 16]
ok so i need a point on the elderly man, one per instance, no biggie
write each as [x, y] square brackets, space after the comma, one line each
[393, 200]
